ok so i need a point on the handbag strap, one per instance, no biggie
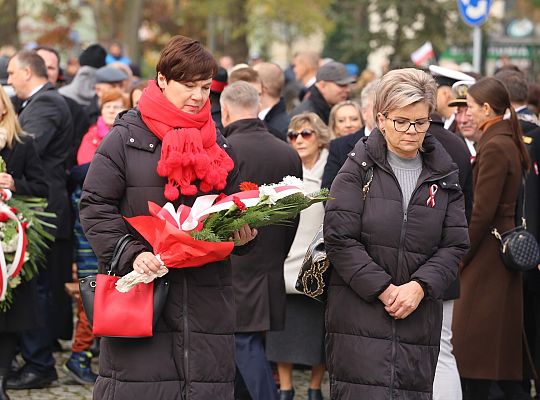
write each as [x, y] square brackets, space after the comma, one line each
[523, 195]
[117, 253]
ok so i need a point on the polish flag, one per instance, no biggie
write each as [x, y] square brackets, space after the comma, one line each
[423, 54]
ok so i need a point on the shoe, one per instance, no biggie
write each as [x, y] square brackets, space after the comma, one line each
[78, 368]
[314, 394]
[30, 380]
[94, 349]
[286, 394]
[3, 394]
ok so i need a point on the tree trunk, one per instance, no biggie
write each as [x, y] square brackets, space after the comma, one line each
[9, 19]
[131, 21]
[238, 47]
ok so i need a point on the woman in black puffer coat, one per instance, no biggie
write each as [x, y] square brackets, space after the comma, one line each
[191, 354]
[395, 234]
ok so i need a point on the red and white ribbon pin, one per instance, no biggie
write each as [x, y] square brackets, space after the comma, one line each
[432, 191]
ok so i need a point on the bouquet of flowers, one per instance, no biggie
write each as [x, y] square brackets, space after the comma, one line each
[192, 237]
[23, 239]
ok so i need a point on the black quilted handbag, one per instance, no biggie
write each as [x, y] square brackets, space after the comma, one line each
[519, 249]
[314, 275]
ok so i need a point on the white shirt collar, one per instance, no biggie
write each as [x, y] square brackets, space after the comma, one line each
[449, 121]
[367, 132]
[33, 92]
[264, 113]
[311, 82]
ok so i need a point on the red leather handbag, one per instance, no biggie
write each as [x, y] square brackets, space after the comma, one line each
[122, 314]
[129, 315]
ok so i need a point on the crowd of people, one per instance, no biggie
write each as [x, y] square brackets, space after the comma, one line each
[421, 166]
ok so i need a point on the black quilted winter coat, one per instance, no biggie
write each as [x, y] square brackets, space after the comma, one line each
[372, 243]
[191, 355]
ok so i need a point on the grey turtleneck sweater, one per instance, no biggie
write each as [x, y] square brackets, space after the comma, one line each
[407, 171]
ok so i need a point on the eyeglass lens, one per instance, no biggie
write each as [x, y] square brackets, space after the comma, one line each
[306, 133]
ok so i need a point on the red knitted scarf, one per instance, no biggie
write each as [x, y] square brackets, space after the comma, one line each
[189, 150]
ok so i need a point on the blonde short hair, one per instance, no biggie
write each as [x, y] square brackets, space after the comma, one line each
[334, 110]
[321, 130]
[402, 87]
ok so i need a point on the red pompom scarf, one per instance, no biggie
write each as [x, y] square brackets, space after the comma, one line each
[189, 150]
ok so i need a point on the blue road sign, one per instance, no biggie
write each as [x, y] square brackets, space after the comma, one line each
[474, 12]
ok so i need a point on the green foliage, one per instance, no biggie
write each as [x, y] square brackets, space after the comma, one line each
[31, 211]
[220, 226]
[363, 26]
[348, 42]
[291, 18]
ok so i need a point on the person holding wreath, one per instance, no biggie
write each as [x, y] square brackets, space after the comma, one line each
[166, 150]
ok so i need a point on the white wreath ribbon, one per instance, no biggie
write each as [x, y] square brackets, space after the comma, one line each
[7, 271]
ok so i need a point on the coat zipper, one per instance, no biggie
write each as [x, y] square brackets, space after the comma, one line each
[400, 256]
[186, 337]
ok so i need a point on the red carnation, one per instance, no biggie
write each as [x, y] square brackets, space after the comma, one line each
[220, 197]
[241, 206]
[13, 210]
[245, 186]
[4, 217]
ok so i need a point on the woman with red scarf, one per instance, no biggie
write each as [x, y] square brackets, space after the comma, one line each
[112, 102]
[167, 150]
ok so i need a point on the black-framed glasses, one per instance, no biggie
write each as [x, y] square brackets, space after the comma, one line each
[403, 125]
[306, 134]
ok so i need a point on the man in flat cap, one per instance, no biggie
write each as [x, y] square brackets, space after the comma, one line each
[445, 78]
[333, 86]
[107, 78]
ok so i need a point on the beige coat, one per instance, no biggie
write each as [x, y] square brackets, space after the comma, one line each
[488, 316]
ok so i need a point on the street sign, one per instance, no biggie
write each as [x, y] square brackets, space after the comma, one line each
[474, 12]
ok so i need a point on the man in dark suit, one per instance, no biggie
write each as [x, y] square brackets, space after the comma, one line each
[341, 147]
[447, 383]
[258, 282]
[333, 86]
[273, 110]
[45, 114]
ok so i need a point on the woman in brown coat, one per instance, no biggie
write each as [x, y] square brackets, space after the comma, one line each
[191, 354]
[488, 316]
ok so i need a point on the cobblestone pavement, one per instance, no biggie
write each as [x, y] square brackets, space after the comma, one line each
[65, 389]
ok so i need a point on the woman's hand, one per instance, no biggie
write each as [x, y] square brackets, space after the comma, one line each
[407, 299]
[146, 263]
[7, 181]
[244, 235]
[389, 295]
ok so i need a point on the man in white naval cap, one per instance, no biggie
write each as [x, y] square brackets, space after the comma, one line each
[445, 78]
[465, 126]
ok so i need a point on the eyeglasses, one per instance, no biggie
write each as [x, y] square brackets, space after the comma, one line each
[403, 125]
[306, 134]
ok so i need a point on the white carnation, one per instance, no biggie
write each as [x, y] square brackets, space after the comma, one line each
[267, 195]
[293, 181]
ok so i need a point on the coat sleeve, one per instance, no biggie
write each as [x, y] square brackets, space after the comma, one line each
[333, 164]
[490, 180]
[33, 182]
[342, 229]
[45, 123]
[103, 190]
[438, 273]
